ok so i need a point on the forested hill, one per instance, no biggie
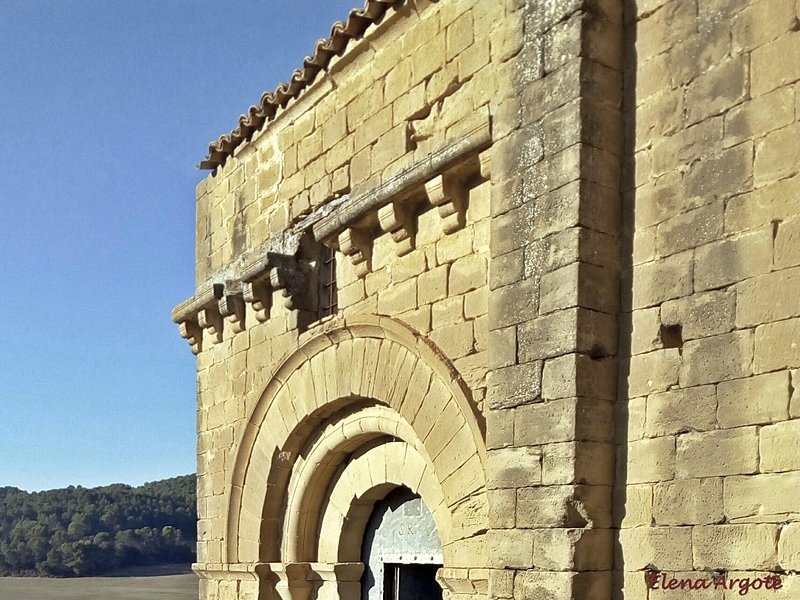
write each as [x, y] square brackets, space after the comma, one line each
[78, 531]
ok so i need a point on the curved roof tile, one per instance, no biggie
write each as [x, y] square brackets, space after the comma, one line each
[341, 33]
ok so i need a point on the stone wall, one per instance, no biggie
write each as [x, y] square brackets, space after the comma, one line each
[707, 436]
[566, 236]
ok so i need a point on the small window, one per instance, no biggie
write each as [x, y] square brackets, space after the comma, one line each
[328, 297]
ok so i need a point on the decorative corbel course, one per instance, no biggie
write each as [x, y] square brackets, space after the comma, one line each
[449, 196]
[396, 220]
[357, 244]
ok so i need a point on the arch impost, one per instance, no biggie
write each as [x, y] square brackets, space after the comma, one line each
[464, 581]
[232, 571]
[294, 580]
[338, 572]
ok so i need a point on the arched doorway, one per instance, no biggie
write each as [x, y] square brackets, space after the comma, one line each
[356, 412]
[401, 550]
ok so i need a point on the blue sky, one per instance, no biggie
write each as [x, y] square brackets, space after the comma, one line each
[105, 109]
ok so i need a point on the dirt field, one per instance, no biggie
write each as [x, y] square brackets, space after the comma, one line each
[145, 586]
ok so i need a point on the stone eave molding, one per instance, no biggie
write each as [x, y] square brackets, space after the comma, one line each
[439, 177]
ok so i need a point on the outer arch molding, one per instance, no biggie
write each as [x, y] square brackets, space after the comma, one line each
[357, 357]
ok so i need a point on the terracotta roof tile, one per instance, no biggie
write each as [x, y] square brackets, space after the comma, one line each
[342, 32]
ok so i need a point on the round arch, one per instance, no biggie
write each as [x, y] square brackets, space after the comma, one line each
[296, 440]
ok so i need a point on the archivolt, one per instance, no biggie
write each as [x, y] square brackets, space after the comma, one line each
[417, 397]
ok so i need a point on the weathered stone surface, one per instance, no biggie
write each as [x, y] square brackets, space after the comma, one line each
[721, 175]
[690, 229]
[679, 411]
[575, 375]
[578, 462]
[754, 400]
[643, 328]
[633, 506]
[567, 331]
[767, 74]
[514, 467]
[651, 460]
[563, 420]
[777, 155]
[776, 201]
[467, 274]
[733, 259]
[662, 548]
[718, 358]
[515, 385]
[714, 453]
[580, 284]
[762, 498]
[653, 372]
[787, 244]
[550, 585]
[735, 547]
[562, 549]
[789, 547]
[514, 303]
[688, 502]
[661, 280]
[777, 346]
[759, 116]
[723, 86]
[779, 450]
[511, 548]
[554, 506]
[701, 315]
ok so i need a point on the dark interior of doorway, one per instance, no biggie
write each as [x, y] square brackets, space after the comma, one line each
[411, 582]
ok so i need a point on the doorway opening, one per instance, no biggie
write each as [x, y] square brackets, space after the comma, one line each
[401, 551]
[410, 582]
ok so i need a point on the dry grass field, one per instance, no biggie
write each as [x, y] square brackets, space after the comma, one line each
[132, 585]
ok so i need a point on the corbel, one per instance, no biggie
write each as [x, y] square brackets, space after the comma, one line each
[396, 220]
[356, 244]
[208, 315]
[290, 282]
[259, 295]
[485, 159]
[192, 333]
[449, 197]
[210, 320]
[231, 307]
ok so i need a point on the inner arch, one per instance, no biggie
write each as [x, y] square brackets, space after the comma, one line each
[401, 550]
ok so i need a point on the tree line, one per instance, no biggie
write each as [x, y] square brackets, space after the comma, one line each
[78, 531]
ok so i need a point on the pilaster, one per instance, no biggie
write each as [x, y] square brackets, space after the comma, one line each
[554, 303]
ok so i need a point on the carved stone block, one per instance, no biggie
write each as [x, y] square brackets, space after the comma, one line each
[193, 334]
[396, 220]
[450, 198]
[231, 307]
[357, 244]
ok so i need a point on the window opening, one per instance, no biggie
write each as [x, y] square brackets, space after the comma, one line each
[328, 296]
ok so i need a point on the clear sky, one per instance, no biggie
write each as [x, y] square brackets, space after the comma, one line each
[106, 106]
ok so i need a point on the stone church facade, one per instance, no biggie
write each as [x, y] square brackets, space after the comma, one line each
[501, 299]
